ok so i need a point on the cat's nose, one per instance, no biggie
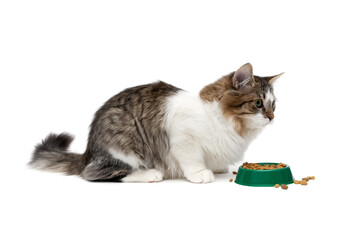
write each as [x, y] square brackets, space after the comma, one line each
[270, 116]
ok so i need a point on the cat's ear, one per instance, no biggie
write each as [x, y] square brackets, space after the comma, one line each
[271, 80]
[243, 79]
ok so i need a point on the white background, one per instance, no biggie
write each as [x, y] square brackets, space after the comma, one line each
[60, 60]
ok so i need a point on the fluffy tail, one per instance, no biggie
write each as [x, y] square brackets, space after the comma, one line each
[51, 155]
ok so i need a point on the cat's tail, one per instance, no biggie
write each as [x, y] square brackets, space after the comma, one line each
[51, 155]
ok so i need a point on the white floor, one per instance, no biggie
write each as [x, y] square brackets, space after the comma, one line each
[38, 205]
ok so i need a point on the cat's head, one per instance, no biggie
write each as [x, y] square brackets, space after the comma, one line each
[250, 98]
[247, 99]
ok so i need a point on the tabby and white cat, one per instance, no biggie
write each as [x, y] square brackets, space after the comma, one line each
[157, 131]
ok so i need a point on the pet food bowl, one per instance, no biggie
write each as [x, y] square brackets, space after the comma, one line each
[264, 178]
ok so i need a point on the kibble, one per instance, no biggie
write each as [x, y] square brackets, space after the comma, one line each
[258, 166]
[231, 180]
[306, 179]
[283, 186]
[297, 181]
[234, 172]
[312, 178]
[276, 185]
[303, 182]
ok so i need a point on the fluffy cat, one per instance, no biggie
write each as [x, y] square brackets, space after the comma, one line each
[157, 131]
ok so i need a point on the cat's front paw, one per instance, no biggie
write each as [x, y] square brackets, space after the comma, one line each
[203, 176]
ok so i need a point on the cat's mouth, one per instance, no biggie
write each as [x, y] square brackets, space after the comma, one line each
[262, 122]
[266, 122]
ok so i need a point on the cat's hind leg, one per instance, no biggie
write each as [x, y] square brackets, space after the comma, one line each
[145, 175]
[141, 172]
[106, 168]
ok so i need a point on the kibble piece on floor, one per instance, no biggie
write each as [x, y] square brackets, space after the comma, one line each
[303, 182]
[231, 180]
[306, 179]
[283, 186]
[234, 172]
[297, 182]
[312, 178]
[276, 185]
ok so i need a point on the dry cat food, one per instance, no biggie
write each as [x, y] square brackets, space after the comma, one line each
[283, 186]
[303, 182]
[231, 180]
[257, 166]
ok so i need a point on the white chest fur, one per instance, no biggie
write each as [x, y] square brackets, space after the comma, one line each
[202, 125]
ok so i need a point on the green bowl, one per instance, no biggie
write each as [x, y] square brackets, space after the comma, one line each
[264, 178]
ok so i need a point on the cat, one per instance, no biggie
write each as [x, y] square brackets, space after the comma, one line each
[157, 131]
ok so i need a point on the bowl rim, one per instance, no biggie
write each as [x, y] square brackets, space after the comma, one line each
[270, 170]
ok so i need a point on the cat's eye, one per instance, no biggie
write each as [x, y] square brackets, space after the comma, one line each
[259, 103]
